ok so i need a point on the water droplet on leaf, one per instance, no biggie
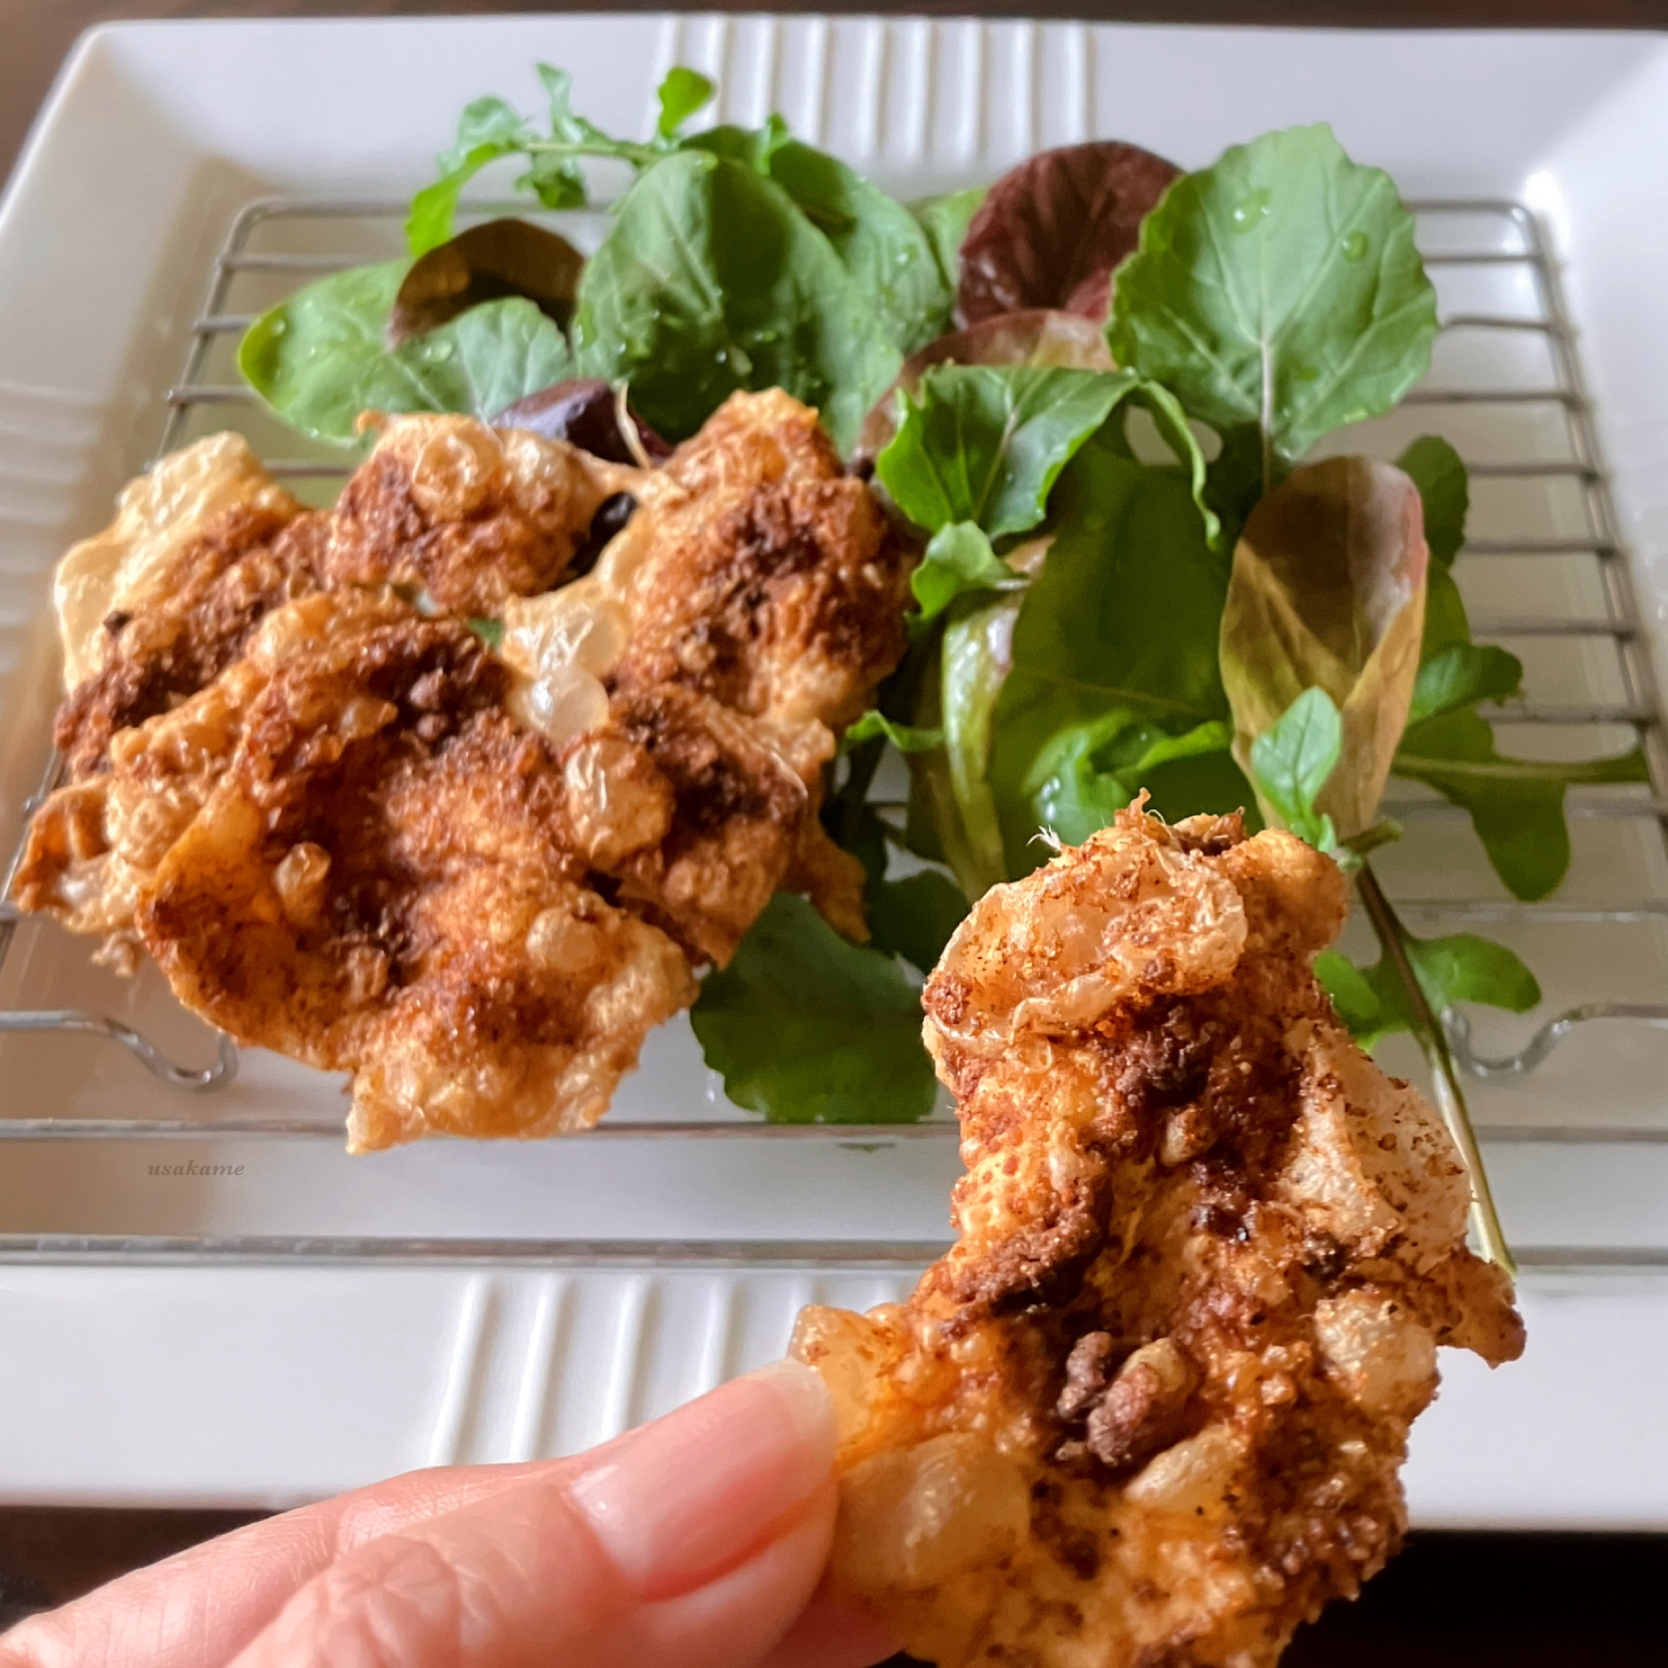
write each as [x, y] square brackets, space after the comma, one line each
[1355, 246]
[1250, 211]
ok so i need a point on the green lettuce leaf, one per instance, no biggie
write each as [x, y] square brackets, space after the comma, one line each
[945, 220]
[1516, 805]
[1279, 289]
[1119, 629]
[958, 562]
[986, 444]
[711, 280]
[976, 656]
[1328, 593]
[914, 917]
[1088, 773]
[1373, 1003]
[807, 1028]
[886, 250]
[321, 358]
[1292, 763]
[907, 738]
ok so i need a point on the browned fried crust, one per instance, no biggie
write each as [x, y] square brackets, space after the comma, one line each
[392, 852]
[1206, 1250]
[344, 835]
[470, 515]
[775, 587]
[736, 809]
[245, 563]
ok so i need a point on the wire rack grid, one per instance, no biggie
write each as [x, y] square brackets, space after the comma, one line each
[277, 243]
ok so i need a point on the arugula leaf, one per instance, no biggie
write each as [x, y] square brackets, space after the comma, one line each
[914, 917]
[1120, 627]
[884, 248]
[958, 562]
[1279, 288]
[986, 444]
[1292, 763]
[1463, 968]
[1516, 805]
[1088, 773]
[945, 220]
[907, 738]
[488, 129]
[321, 358]
[1444, 490]
[682, 94]
[807, 1028]
[491, 128]
[1461, 675]
[712, 281]
[1328, 593]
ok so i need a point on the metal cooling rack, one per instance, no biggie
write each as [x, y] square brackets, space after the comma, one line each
[277, 243]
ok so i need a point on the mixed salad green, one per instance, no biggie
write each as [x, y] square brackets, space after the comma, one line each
[1136, 574]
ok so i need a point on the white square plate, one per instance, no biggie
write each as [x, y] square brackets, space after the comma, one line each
[278, 1376]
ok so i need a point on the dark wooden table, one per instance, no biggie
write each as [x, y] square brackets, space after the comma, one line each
[1481, 1601]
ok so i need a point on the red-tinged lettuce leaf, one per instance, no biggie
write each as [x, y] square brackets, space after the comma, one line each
[490, 262]
[1040, 338]
[1328, 592]
[584, 412]
[1050, 231]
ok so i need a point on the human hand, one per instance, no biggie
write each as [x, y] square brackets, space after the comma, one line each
[694, 1542]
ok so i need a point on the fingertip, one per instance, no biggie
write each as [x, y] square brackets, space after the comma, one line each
[678, 1503]
[809, 1404]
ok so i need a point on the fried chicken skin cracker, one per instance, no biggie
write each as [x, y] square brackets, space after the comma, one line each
[471, 514]
[161, 602]
[383, 881]
[473, 877]
[771, 582]
[1151, 1408]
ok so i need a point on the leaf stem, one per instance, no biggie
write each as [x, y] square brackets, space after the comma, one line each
[620, 150]
[1433, 1039]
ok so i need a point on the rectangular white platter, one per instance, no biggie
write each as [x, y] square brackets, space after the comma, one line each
[276, 1375]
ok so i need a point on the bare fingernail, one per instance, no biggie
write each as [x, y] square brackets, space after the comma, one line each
[684, 1499]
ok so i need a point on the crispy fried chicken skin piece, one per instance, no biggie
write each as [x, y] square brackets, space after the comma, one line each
[1150, 1408]
[162, 601]
[772, 583]
[474, 878]
[362, 861]
[471, 514]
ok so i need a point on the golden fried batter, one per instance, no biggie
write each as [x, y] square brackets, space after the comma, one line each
[471, 514]
[380, 878]
[160, 603]
[348, 830]
[1151, 1407]
[770, 583]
